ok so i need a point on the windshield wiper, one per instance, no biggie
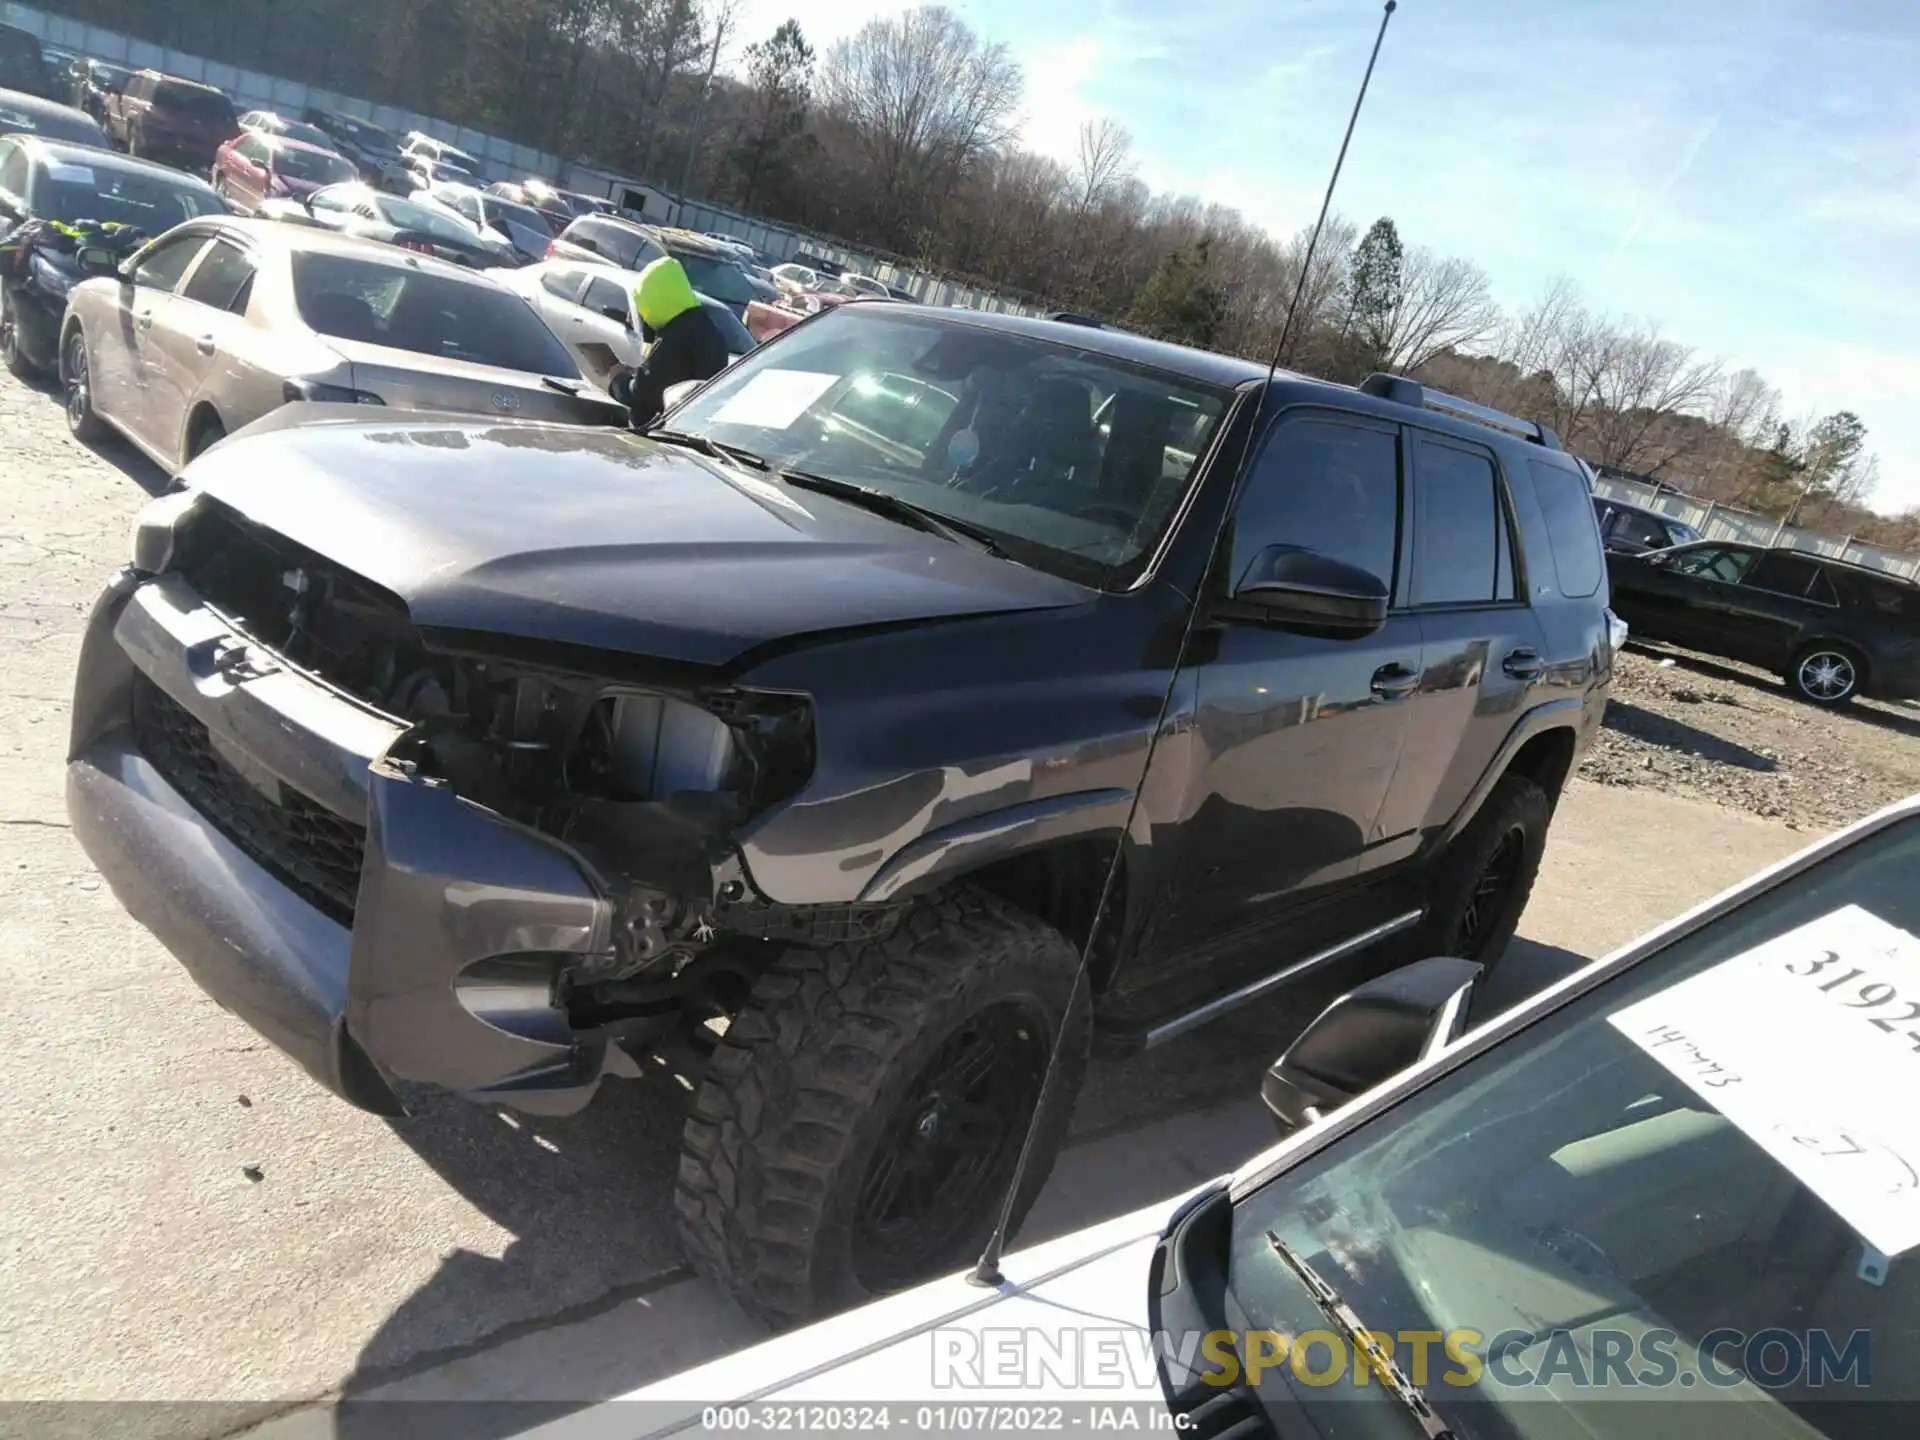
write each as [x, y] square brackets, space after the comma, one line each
[707, 446]
[1366, 1349]
[885, 502]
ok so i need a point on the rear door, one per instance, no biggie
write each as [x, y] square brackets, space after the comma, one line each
[1482, 653]
[1778, 598]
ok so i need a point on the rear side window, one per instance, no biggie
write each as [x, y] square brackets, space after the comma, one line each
[603, 295]
[1568, 511]
[1325, 486]
[564, 283]
[1787, 574]
[1459, 528]
[223, 278]
[429, 314]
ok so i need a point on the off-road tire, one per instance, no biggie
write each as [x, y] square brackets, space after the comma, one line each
[1850, 671]
[820, 1059]
[1518, 809]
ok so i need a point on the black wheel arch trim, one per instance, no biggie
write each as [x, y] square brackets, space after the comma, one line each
[1568, 714]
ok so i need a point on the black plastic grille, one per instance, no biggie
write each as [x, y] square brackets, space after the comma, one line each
[315, 852]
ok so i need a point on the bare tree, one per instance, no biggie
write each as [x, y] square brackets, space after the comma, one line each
[922, 98]
[721, 17]
[1641, 383]
[1104, 162]
[1443, 304]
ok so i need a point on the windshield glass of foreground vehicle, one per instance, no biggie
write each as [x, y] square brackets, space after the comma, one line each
[1073, 459]
[428, 314]
[81, 192]
[1700, 1180]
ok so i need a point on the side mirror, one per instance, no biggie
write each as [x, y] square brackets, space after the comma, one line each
[1312, 593]
[618, 314]
[94, 260]
[1368, 1036]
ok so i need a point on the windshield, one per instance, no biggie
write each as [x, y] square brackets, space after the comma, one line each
[428, 314]
[1074, 459]
[305, 134]
[370, 137]
[194, 103]
[1713, 1146]
[722, 279]
[81, 192]
[315, 166]
[425, 220]
[523, 225]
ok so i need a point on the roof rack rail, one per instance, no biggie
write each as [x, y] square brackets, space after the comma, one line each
[1402, 391]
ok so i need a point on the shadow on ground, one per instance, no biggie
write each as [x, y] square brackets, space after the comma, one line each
[113, 449]
[585, 1201]
[1670, 734]
[1902, 718]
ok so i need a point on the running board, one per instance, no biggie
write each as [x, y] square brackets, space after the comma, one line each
[1213, 1009]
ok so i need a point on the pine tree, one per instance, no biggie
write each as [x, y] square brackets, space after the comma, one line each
[1182, 300]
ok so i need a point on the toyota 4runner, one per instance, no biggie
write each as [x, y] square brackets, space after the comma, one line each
[930, 689]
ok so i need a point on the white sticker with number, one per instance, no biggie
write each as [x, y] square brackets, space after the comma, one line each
[1810, 1044]
[774, 399]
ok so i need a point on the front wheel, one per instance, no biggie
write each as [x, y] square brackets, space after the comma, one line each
[76, 376]
[1825, 674]
[12, 352]
[1482, 882]
[861, 1120]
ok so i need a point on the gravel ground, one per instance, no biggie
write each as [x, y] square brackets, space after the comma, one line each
[1710, 729]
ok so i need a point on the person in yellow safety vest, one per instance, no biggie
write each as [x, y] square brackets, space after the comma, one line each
[685, 343]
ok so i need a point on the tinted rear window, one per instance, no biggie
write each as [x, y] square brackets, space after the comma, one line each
[1568, 509]
[194, 102]
[1458, 534]
[428, 314]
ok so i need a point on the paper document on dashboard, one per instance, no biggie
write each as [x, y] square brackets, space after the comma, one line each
[1810, 1044]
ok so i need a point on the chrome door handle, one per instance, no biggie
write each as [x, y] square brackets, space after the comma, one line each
[1523, 665]
[1394, 682]
[204, 345]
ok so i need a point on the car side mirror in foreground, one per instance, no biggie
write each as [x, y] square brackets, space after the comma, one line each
[1368, 1036]
[1312, 593]
[95, 260]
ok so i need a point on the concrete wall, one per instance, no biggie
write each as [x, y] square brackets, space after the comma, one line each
[1721, 522]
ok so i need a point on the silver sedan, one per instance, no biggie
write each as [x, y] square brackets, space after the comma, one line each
[222, 320]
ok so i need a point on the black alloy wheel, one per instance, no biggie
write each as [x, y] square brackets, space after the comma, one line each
[949, 1149]
[1492, 893]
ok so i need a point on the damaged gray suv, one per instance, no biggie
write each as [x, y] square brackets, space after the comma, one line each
[931, 685]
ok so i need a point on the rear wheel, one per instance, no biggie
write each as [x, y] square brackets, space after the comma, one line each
[863, 1115]
[76, 376]
[1826, 674]
[1482, 883]
[207, 433]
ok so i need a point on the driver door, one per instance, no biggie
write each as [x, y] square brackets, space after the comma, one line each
[1298, 736]
[121, 356]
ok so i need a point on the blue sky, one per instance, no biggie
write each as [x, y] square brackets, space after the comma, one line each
[1746, 175]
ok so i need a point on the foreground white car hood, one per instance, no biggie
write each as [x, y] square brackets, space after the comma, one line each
[937, 1344]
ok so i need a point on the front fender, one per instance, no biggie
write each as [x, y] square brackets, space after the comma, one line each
[956, 849]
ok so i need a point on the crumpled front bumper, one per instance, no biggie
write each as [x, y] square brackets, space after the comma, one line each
[462, 921]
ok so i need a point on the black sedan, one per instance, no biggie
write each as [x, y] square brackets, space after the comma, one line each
[24, 114]
[68, 211]
[374, 215]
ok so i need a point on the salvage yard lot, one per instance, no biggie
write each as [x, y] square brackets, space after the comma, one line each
[183, 1215]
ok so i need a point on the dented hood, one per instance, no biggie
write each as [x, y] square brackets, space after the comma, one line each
[595, 537]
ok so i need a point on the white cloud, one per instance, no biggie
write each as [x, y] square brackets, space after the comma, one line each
[1057, 105]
